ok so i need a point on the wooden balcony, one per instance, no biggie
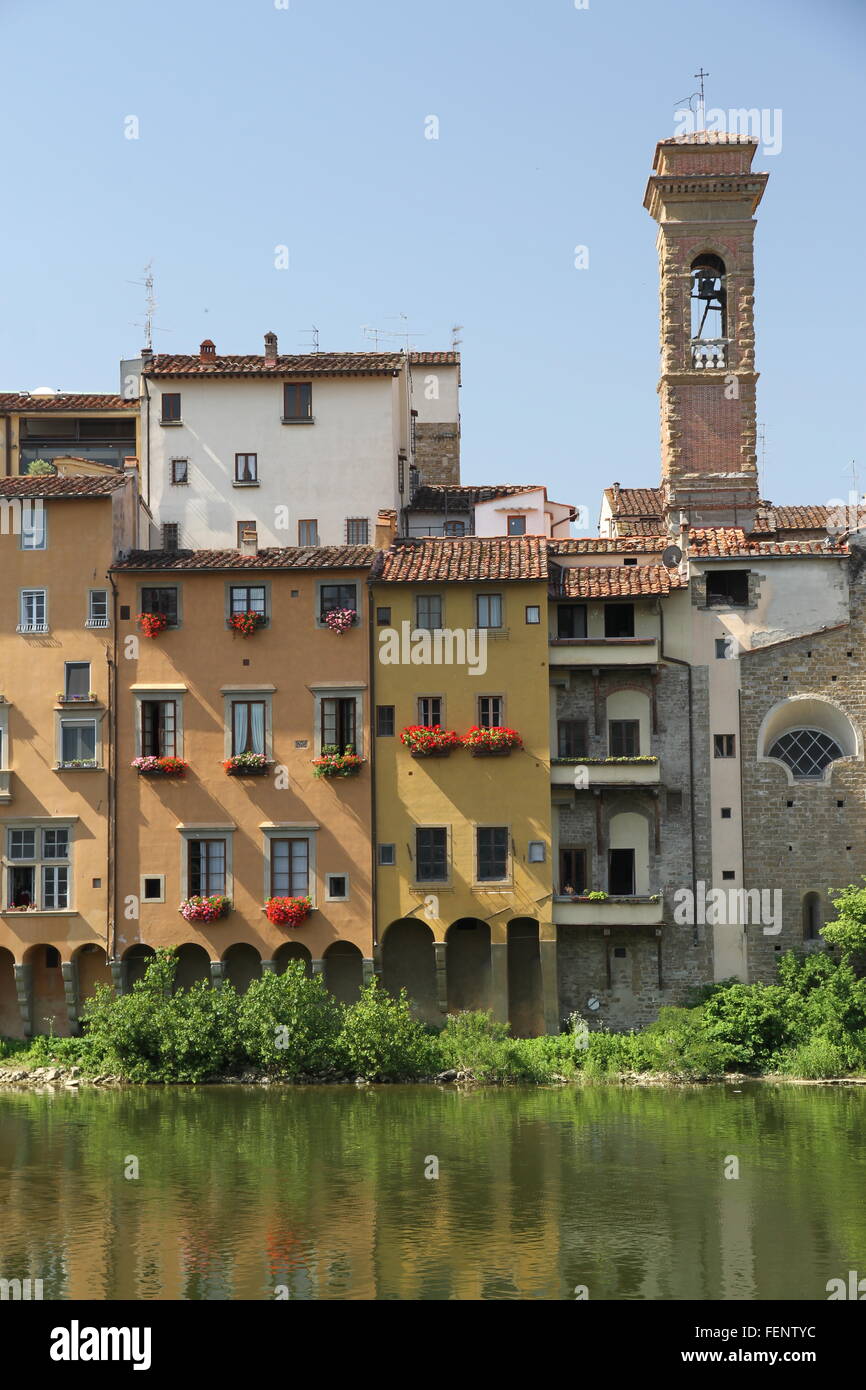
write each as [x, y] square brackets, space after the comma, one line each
[604, 651]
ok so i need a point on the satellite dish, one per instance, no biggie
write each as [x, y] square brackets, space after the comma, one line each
[671, 557]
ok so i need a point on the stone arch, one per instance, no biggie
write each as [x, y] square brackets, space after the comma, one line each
[292, 950]
[628, 830]
[409, 962]
[525, 998]
[11, 1022]
[468, 965]
[135, 961]
[808, 713]
[92, 969]
[193, 965]
[48, 1010]
[243, 964]
[344, 971]
[708, 294]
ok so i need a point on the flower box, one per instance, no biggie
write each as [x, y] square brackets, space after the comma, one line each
[246, 623]
[339, 620]
[433, 742]
[152, 624]
[210, 909]
[152, 766]
[333, 763]
[492, 743]
[76, 699]
[77, 763]
[288, 912]
[247, 765]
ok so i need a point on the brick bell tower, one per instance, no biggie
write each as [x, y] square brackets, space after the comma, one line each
[703, 195]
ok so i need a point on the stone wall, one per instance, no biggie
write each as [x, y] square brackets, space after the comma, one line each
[437, 452]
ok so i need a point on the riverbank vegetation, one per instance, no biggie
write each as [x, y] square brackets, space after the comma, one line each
[810, 1024]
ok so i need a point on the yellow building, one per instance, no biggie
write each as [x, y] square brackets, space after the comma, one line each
[95, 428]
[463, 907]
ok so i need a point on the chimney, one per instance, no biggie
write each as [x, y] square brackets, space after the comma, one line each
[270, 347]
[386, 529]
[249, 541]
[147, 354]
[207, 352]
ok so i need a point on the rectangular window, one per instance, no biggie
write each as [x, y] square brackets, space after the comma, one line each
[158, 729]
[517, 526]
[728, 588]
[55, 844]
[492, 850]
[387, 856]
[724, 745]
[455, 528]
[336, 888]
[431, 854]
[153, 888]
[97, 608]
[338, 723]
[179, 472]
[34, 603]
[171, 405]
[55, 887]
[298, 400]
[170, 535]
[333, 596]
[22, 844]
[77, 682]
[570, 621]
[383, 617]
[248, 727]
[621, 872]
[207, 867]
[489, 608]
[308, 532]
[247, 598]
[572, 871]
[533, 613]
[357, 530]
[38, 883]
[428, 612]
[77, 741]
[246, 468]
[246, 531]
[290, 867]
[160, 601]
[385, 721]
[429, 710]
[490, 711]
[619, 620]
[572, 735]
[623, 738]
[33, 534]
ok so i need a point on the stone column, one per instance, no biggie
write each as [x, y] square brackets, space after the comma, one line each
[24, 990]
[368, 968]
[549, 984]
[499, 980]
[118, 976]
[441, 976]
[69, 970]
[269, 967]
[318, 967]
[217, 973]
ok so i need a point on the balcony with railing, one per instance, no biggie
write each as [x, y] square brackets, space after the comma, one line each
[604, 651]
[608, 911]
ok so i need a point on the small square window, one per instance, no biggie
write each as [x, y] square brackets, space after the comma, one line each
[619, 952]
[385, 721]
[533, 613]
[387, 856]
[297, 400]
[357, 530]
[726, 813]
[246, 468]
[170, 535]
[171, 406]
[337, 890]
[153, 888]
[537, 852]
[630, 560]
[517, 526]
[308, 532]
[97, 608]
[179, 472]
[723, 745]
[246, 531]
[33, 524]
[383, 617]
[728, 874]
[125, 611]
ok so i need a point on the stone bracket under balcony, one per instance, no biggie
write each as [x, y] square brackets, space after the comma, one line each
[611, 912]
[604, 651]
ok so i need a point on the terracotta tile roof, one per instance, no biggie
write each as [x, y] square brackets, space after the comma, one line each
[498, 559]
[719, 541]
[615, 581]
[635, 501]
[165, 364]
[615, 545]
[23, 401]
[800, 518]
[461, 497]
[433, 359]
[321, 557]
[640, 526]
[53, 486]
[710, 137]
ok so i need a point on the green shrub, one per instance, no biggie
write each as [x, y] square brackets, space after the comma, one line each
[380, 1040]
[815, 1060]
[288, 1025]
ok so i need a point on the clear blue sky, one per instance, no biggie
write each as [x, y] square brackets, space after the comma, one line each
[262, 126]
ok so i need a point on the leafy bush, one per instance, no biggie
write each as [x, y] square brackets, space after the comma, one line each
[379, 1039]
[288, 1025]
[848, 932]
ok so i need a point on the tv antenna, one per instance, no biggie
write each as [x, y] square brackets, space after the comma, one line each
[456, 329]
[699, 98]
[405, 336]
[314, 333]
[149, 307]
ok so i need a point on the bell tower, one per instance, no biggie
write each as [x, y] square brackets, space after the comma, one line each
[703, 195]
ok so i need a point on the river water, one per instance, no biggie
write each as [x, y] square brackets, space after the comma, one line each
[235, 1192]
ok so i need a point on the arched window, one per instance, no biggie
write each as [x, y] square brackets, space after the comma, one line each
[709, 323]
[807, 752]
[811, 916]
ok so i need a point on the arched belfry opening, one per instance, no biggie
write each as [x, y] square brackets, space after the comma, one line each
[709, 310]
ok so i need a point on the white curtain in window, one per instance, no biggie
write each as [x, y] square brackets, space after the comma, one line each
[258, 728]
[240, 727]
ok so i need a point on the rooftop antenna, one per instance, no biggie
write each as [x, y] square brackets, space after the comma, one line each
[455, 339]
[404, 336]
[149, 306]
[697, 97]
[313, 330]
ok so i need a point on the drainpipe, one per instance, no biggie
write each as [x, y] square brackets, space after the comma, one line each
[374, 853]
[676, 661]
[146, 431]
[111, 873]
[8, 429]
